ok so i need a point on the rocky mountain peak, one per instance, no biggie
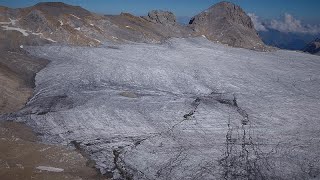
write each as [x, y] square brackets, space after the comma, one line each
[227, 23]
[162, 17]
[59, 8]
[52, 4]
[231, 12]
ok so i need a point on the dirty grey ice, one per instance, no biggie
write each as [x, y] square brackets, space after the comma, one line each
[184, 109]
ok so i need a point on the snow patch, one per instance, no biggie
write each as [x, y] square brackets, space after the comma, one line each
[21, 46]
[23, 31]
[5, 23]
[75, 16]
[44, 149]
[50, 169]
[20, 166]
[97, 40]
[42, 36]
[13, 21]
[61, 22]
[49, 39]
[37, 34]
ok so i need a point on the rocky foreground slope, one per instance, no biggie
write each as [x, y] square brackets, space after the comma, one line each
[185, 109]
[17, 72]
[22, 157]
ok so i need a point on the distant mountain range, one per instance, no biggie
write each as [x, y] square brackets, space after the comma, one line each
[313, 47]
[54, 22]
[283, 40]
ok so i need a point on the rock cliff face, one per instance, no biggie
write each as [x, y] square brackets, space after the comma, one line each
[157, 27]
[313, 47]
[163, 17]
[227, 23]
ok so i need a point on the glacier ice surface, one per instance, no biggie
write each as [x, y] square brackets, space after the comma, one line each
[184, 109]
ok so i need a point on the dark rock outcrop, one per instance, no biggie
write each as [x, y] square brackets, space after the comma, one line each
[227, 23]
[155, 28]
[162, 17]
[313, 47]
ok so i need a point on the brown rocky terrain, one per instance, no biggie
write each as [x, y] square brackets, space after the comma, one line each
[62, 23]
[58, 22]
[155, 28]
[23, 158]
[17, 71]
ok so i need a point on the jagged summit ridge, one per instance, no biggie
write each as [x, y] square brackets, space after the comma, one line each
[163, 17]
[232, 12]
[57, 22]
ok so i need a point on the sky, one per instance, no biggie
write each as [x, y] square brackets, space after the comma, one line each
[269, 9]
[281, 14]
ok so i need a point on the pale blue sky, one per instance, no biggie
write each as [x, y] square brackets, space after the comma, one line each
[307, 10]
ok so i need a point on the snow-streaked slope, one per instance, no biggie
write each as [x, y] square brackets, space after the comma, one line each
[186, 109]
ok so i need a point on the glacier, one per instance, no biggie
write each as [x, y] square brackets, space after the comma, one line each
[184, 109]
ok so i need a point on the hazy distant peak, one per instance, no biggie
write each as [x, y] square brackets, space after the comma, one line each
[313, 47]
